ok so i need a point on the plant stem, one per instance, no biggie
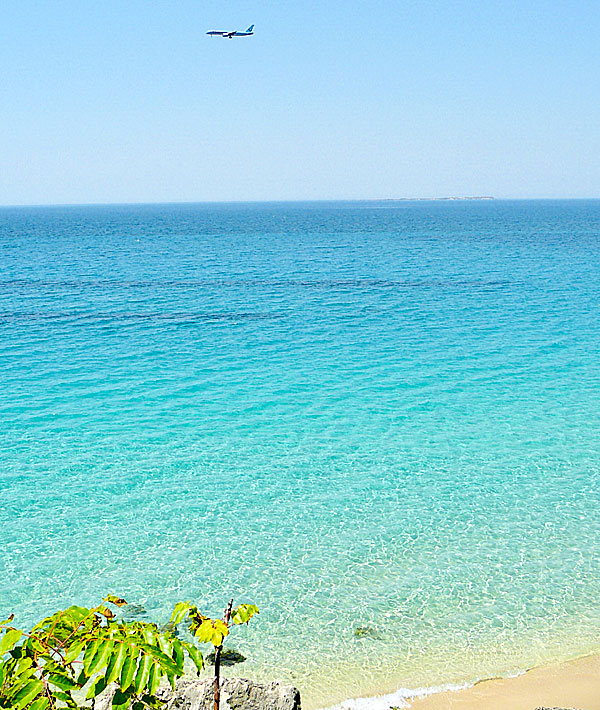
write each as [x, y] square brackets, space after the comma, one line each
[218, 650]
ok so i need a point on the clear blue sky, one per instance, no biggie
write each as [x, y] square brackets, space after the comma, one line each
[128, 101]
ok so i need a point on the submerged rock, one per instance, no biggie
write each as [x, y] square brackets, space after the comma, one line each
[236, 694]
[229, 657]
[371, 632]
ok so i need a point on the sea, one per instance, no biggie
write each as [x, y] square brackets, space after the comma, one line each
[378, 421]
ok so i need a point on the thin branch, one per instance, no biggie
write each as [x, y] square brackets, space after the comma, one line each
[218, 649]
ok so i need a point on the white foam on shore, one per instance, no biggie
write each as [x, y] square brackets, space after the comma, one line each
[398, 699]
[403, 697]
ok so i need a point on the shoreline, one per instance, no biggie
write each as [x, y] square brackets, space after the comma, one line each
[569, 684]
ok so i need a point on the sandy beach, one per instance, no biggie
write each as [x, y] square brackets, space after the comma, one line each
[575, 684]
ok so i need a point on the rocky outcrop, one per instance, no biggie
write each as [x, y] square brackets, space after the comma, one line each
[236, 694]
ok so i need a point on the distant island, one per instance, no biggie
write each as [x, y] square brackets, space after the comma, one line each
[430, 199]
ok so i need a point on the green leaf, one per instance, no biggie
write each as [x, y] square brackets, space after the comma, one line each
[89, 654]
[77, 613]
[71, 619]
[115, 664]
[180, 611]
[149, 634]
[121, 700]
[244, 613]
[204, 632]
[50, 666]
[74, 651]
[164, 644]
[37, 646]
[168, 663]
[153, 678]
[96, 688]
[101, 657]
[178, 655]
[196, 656]
[23, 667]
[10, 640]
[212, 631]
[151, 703]
[171, 679]
[18, 652]
[43, 622]
[143, 671]
[62, 681]
[196, 618]
[39, 704]
[129, 668]
[63, 697]
[26, 694]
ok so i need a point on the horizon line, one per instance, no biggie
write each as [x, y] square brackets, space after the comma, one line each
[449, 198]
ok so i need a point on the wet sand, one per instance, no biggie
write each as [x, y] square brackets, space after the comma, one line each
[575, 684]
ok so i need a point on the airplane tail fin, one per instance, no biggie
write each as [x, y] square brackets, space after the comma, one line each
[250, 29]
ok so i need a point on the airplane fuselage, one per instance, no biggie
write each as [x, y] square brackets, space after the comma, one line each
[234, 33]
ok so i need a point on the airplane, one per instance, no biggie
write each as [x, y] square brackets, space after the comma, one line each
[234, 33]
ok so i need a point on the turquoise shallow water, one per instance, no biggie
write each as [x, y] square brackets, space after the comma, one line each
[353, 414]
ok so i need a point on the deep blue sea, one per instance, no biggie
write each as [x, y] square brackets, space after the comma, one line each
[381, 416]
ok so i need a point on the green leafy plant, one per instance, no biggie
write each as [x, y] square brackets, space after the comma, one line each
[214, 631]
[69, 658]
